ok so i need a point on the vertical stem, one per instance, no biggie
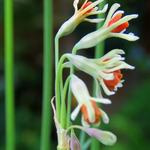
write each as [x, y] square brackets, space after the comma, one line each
[57, 91]
[99, 51]
[9, 75]
[56, 51]
[74, 51]
[47, 76]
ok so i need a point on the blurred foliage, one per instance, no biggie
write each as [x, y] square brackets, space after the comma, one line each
[131, 111]
[131, 123]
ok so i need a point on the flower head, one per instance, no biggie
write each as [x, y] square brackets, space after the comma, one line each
[115, 25]
[107, 69]
[88, 8]
[91, 113]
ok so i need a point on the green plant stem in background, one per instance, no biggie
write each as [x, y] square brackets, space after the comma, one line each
[99, 51]
[47, 76]
[9, 75]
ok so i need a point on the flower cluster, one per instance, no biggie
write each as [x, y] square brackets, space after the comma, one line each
[106, 72]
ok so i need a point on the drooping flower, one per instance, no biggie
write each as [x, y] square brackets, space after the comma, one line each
[114, 26]
[105, 137]
[91, 113]
[87, 9]
[107, 69]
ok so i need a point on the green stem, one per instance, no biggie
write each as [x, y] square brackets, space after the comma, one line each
[63, 104]
[57, 86]
[47, 76]
[9, 75]
[56, 51]
[74, 51]
[99, 51]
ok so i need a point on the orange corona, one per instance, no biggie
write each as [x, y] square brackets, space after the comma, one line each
[96, 111]
[121, 27]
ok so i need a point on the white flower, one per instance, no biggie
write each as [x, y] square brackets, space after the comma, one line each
[91, 113]
[87, 9]
[107, 69]
[114, 26]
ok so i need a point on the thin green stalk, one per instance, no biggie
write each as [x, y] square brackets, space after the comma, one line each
[69, 106]
[74, 51]
[47, 76]
[63, 105]
[57, 86]
[9, 75]
[99, 51]
[56, 51]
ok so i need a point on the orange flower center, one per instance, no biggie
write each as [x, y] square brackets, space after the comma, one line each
[86, 5]
[121, 27]
[111, 84]
[96, 111]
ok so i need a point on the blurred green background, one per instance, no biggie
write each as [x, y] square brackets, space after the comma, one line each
[130, 111]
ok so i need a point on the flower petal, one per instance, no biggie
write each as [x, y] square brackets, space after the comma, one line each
[105, 117]
[101, 100]
[92, 5]
[100, 11]
[106, 76]
[121, 21]
[84, 123]
[91, 112]
[79, 89]
[98, 93]
[75, 112]
[105, 137]
[118, 12]
[122, 65]
[112, 62]
[129, 37]
[113, 53]
[74, 143]
[75, 4]
[97, 20]
[113, 8]
[106, 90]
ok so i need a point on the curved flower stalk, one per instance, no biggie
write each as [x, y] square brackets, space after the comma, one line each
[87, 9]
[91, 113]
[107, 69]
[114, 26]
